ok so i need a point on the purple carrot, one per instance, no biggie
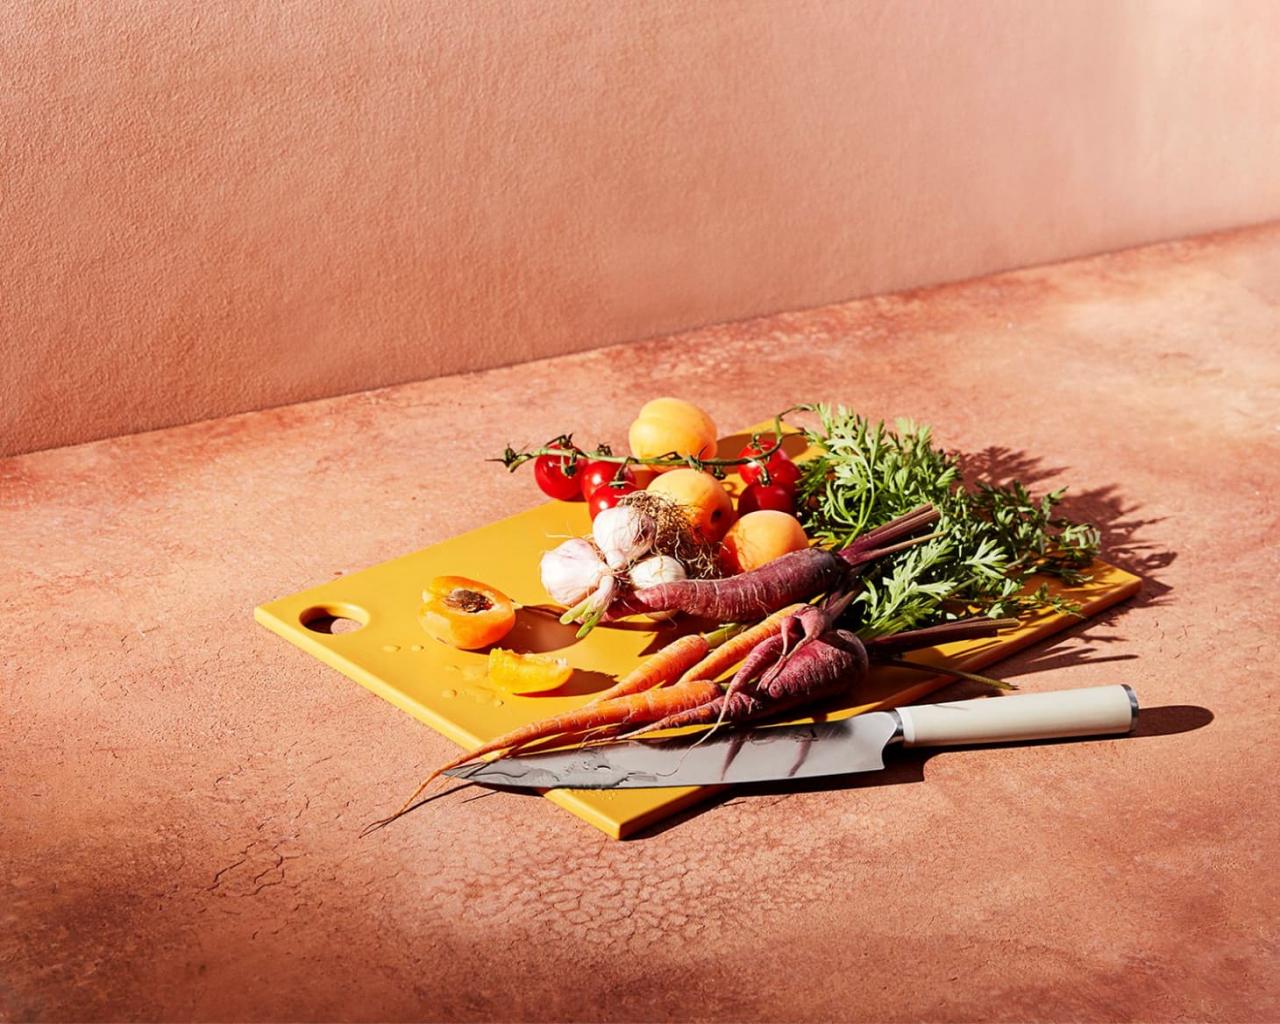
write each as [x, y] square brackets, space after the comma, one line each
[758, 661]
[797, 576]
[827, 665]
[798, 630]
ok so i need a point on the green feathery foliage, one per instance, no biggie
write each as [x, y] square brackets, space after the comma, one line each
[991, 541]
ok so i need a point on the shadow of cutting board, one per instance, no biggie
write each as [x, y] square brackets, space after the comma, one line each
[446, 689]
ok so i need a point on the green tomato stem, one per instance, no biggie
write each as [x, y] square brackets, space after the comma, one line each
[562, 446]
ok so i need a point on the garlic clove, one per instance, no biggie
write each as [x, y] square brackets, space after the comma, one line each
[623, 534]
[653, 571]
[571, 571]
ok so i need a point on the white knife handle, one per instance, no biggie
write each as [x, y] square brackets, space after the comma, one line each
[1094, 711]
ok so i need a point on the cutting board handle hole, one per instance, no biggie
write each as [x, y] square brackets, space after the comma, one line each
[334, 618]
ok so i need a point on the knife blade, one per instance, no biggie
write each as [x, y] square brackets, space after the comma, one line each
[850, 745]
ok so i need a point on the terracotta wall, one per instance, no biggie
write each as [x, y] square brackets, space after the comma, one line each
[212, 207]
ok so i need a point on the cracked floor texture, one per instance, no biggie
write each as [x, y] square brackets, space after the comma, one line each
[182, 791]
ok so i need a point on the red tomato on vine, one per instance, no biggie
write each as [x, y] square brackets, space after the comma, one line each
[608, 496]
[558, 475]
[767, 496]
[781, 470]
[594, 475]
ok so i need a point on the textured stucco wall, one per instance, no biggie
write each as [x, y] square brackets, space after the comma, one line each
[209, 208]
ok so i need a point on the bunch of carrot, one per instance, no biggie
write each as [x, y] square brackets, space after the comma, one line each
[691, 663]
[794, 656]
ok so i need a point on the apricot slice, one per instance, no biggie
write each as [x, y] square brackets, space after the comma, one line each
[527, 673]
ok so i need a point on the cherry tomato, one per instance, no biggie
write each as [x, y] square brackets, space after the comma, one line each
[595, 475]
[768, 496]
[781, 469]
[785, 474]
[557, 475]
[608, 496]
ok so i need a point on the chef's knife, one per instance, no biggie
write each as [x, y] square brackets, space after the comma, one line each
[854, 744]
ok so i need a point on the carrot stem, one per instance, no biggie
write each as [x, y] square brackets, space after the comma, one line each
[943, 633]
[727, 632]
[950, 670]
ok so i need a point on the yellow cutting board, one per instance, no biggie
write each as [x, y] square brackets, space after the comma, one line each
[391, 655]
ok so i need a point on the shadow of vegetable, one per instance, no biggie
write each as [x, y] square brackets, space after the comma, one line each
[582, 683]
[538, 630]
[1120, 526]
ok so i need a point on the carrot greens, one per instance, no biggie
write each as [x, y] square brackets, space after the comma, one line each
[991, 539]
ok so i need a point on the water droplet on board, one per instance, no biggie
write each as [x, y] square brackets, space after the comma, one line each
[449, 693]
[497, 702]
[472, 672]
[415, 647]
[391, 648]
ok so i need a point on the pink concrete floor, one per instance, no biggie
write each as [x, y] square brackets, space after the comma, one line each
[182, 791]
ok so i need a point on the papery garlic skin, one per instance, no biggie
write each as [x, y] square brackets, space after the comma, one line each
[572, 571]
[623, 534]
[655, 570]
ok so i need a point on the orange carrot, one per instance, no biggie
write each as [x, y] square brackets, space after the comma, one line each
[632, 709]
[659, 668]
[733, 651]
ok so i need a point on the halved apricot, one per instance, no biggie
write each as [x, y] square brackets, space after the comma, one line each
[527, 673]
[465, 613]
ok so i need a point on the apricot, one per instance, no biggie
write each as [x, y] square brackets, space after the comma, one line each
[760, 537]
[705, 502]
[465, 613]
[668, 425]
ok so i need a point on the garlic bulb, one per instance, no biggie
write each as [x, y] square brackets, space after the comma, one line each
[572, 571]
[623, 534]
[655, 570]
